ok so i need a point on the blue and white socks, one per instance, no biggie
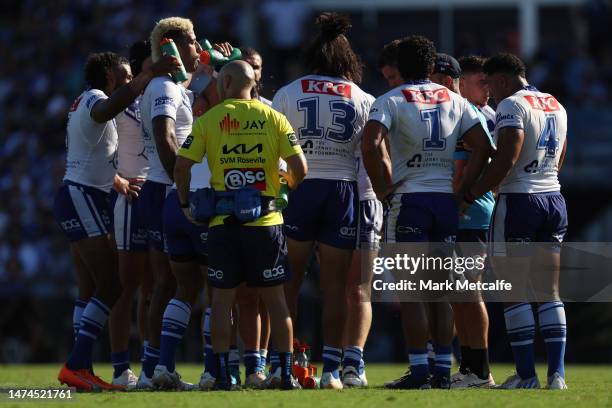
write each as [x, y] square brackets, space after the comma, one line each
[150, 360]
[554, 330]
[92, 321]
[520, 326]
[210, 365]
[443, 361]
[174, 323]
[331, 360]
[79, 306]
[120, 362]
[419, 366]
[353, 357]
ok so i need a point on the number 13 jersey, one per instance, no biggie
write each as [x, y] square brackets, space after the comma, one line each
[544, 123]
[424, 121]
[328, 115]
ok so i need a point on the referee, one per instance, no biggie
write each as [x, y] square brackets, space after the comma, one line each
[243, 140]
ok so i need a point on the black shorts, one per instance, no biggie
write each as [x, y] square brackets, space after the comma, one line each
[255, 255]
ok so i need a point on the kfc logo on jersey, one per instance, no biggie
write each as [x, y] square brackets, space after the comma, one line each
[326, 87]
[238, 178]
[427, 96]
[543, 103]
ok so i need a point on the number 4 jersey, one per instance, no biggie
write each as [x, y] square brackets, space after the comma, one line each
[328, 115]
[424, 121]
[544, 123]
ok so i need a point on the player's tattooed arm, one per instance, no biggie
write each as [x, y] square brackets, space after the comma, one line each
[166, 143]
[107, 109]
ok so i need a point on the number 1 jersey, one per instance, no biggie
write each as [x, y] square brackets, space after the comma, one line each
[424, 121]
[328, 115]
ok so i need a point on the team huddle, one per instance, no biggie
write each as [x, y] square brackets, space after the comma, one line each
[169, 193]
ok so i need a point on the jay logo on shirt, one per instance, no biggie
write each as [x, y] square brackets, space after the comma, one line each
[326, 87]
[543, 103]
[426, 96]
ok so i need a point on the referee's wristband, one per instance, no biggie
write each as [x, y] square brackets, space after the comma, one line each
[469, 197]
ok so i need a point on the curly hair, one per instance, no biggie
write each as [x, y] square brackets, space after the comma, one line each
[330, 53]
[471, 64]
[98, 65]
[506, 64]
[170, 27]
[416, 56]
[388, 56]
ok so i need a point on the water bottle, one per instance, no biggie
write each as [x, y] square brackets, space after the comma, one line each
[302, 358]
[214, 58]
[282, 200]
[169, 48]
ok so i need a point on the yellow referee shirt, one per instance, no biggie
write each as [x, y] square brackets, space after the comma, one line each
[242, 140]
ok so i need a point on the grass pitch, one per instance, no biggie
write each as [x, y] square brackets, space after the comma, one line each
[589, 386]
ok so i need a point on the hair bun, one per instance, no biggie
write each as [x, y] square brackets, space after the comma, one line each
[333, 24]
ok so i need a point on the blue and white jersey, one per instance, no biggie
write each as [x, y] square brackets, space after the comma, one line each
[478, 216]
[91, 157]
[544, 123]
[489, 114]
[131, 157]
[163, 97]
[424, 121]
[328, 115]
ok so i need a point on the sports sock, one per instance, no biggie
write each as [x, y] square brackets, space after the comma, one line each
[121, 362]
[419, 367]
[520, 326]
[223, 374]
[79, 306]
[465, 366]
[431, 356]
[331, 360]
[480, 363]
[174, 323]
[145, 344]
[443, 360]
[234, 359]
[151, 358]
[251, 361]
[209, 357]
[263, 354]
[274, 361]
[285, 363]
[352, 357]
[92, 321]
[554, 330]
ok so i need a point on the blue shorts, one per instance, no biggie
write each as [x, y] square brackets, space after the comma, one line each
[370, 223]
[422, 217]
[524, 218]
[152, 196]
[255, 255]
[325, 211]
[82, 211]
[130, 232]
[186, 242]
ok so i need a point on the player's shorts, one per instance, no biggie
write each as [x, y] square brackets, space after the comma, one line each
[370, 223]
[186, 242]
[255, 255]
[422, 217]
[325, 211]
[525, 218]
[130, 233]
[82, 211]
[153, 195]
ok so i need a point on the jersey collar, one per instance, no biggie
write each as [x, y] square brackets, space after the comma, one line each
[530, 88]
[418, 82]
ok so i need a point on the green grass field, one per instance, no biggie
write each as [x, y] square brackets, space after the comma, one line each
[590, 386]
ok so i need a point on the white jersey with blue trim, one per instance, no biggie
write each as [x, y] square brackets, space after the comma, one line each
[91, 157]
[424, 121]
[131, 157]
[544, 122]
[163, 97]
[328, 115]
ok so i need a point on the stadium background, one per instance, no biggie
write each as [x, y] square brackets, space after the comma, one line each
[43, 48]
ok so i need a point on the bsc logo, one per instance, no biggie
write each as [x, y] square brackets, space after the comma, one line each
[69, 225]
[274, 272]
[326, 87]
[238, 178]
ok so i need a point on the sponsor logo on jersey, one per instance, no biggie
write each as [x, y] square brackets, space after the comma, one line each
[187, 143]
[215, 274]
[163, 100]
[228, 123]
[242, 148]
[326, 87]
[543, 103]
[75, 104]
[427, 96]
[349, 232]
[505, 117]
[71, 224]
[532, 167]
[415, 161]
[273, 273]
[238, 178]
[293, 140]
[254, 124]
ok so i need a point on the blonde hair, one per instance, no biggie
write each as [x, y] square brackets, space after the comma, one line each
[160, 30]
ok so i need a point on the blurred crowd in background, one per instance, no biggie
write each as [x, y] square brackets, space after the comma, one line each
[44, 46]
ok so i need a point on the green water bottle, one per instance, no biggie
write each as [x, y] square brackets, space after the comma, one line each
[169, 48]
[214, 58]
[282, 200]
